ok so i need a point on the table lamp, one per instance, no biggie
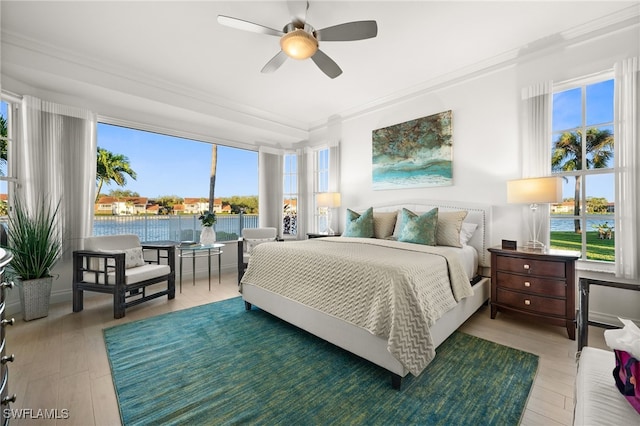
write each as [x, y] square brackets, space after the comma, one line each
[535, 191]
[328, 200]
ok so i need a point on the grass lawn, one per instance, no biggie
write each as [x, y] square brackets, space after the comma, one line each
[597, 249]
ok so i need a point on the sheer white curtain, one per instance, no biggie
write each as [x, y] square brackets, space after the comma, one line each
[56, 162]
[303, 194]
[536, 146]
[626, 167]
[270, 192]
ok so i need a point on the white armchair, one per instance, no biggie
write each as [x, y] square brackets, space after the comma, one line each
[251, 237]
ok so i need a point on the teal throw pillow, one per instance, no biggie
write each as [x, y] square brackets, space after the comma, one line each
[359, 225]
[418, 229]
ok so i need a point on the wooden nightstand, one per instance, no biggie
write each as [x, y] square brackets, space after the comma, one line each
[538, 284]
[319, 235]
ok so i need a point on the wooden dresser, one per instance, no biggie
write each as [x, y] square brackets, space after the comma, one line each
[5, 397]
[541, 285]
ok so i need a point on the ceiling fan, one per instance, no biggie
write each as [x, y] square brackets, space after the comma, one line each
[299, 40]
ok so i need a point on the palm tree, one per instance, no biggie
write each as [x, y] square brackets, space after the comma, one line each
[567, 156]
[212, 176]
[112, 168]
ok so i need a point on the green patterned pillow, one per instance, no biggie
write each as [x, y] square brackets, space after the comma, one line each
[359, 225]
[419, 229]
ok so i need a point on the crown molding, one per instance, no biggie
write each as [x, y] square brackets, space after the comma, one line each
[154, 87]
[619, 21]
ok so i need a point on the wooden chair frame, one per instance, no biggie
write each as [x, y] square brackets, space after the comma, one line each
[124, 295]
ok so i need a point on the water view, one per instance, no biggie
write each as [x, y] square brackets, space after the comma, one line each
[172, 228]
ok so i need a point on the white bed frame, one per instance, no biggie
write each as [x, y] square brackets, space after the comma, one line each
[360, 341]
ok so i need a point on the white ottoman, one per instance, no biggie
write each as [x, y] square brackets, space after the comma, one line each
[598, 401]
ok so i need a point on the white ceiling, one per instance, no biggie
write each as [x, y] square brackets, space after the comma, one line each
[180, 48]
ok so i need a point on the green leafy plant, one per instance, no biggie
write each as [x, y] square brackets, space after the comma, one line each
[34, 240]
[208, 218]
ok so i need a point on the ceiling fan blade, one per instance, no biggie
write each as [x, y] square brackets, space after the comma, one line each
[298, 12]
[350, 31]
[247, 26]
[326, 64]
[275, 62]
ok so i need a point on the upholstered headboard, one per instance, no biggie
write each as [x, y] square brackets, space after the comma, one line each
[480, 214]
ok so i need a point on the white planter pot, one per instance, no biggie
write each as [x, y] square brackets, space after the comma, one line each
[34, 297]
[208, 235]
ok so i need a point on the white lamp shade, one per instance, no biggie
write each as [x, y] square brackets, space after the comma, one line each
[328, 199]
[535, 190]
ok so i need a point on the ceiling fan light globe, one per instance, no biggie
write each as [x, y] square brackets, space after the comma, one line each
[299, 44]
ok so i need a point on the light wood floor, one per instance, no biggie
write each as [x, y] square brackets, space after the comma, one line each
[61, 362]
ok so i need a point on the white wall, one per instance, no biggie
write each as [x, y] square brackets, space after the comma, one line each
[486, 137]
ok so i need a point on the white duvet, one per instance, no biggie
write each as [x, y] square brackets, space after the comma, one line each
[392, 289]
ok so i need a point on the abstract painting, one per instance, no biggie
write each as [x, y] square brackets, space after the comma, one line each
[413, 154]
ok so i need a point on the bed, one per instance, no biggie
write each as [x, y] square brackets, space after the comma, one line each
[393, 311]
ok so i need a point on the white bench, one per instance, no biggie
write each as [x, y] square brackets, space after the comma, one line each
[598, 401]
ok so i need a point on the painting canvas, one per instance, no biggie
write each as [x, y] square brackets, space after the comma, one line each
[413, 154]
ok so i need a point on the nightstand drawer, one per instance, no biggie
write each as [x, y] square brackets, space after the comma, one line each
[547, 287]
[531, 266]
[537, 304]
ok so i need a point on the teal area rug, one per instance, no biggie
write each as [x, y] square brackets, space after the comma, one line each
[219, 364]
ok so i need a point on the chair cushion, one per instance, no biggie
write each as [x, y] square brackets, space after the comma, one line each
[132, 275]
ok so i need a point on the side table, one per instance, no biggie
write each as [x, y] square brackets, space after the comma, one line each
[541, 285]
[199, 250]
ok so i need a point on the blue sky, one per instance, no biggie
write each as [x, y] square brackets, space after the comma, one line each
[167, 165]
[599, 112]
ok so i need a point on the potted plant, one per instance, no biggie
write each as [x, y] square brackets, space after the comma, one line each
[35, 241]
[208, 234]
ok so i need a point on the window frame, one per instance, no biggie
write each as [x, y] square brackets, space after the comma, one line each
[582, 83]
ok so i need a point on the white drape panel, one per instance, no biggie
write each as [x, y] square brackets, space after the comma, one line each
[303, 194]
[536, 145]
[270, 193]
[56, 161]
[626, 167]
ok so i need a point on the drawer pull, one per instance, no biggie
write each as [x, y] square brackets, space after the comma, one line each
[5, 284]
[7, 399]
[526, 266]
[527, 284]
[6, 322]
[5, 359]
[527, 302]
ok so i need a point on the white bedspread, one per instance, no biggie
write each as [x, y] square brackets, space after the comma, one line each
[394, 290]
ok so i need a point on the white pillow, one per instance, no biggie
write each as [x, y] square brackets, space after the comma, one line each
[449, 226]
[383, 224]
[466, 232]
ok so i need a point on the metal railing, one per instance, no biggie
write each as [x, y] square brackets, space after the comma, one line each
[173, 228]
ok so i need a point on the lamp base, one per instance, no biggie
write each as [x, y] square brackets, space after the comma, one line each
[535, 245]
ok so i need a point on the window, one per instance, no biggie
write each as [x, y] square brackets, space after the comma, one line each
[321, 184]
[6, 120]
[582, 153]
[165, 186]
[290, 195]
